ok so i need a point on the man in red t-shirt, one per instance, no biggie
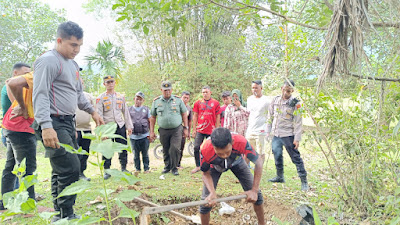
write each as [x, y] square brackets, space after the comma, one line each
[206, 117]
[224, 152]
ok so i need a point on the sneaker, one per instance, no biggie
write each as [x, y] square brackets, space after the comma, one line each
[83, 177]
[165, 171]
[107, 176]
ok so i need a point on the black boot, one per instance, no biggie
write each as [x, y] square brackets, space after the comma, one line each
[123, 169]
[304, 184]
[279, 178]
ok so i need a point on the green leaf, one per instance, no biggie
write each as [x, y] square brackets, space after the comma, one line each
[166, 7]
[141, 1]
[116, 6]
[125, 211]
[128, 195]
[89, 136]
[108, 191]
[116, 174]
[165, 219]
[62, 222]
[107, 148]
[317, 221]
[28, 206]
[13, 200]
[70, 149]
[47, 215]
[145, 30]
[89, 220]
[121, 18]
[30, 180]
[76, 188]
[396, 128]
[106, 129]
[397, 191]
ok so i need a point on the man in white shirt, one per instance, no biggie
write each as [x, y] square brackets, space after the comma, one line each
[258, 105]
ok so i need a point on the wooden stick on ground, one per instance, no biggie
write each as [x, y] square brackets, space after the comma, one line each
[172, 212]
[160, 209]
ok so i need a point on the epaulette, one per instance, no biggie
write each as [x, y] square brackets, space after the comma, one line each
[156, 98]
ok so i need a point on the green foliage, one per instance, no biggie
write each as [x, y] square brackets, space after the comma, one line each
[103, 146]
[26, 27]
[108, 58]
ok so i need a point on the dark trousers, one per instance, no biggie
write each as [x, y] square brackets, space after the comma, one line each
[123, 156]
[20, 145]
[197, 142]
[171, 141]
[183, 142]
[242, 173]
[65, 166]
[141, 146]
[85, 144]
[277, 149]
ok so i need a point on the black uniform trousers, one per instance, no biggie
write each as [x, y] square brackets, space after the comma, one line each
[65, 166]
[171, 142]
[123, 156]
[85, 144]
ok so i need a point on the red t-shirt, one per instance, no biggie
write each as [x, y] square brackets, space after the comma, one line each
[207, 111]
[223, 114]
[240, 146]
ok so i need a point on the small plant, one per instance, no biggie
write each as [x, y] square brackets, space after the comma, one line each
[102, 145]
[18, 201]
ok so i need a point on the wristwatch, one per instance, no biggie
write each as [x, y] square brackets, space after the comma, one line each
[185, 127]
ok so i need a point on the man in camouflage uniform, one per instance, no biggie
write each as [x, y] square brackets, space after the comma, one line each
[112, 107]
[171, 111]
[285, 122]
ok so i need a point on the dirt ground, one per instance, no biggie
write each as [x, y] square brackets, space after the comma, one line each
[244, 213]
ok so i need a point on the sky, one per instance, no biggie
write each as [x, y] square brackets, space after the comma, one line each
[94, 29]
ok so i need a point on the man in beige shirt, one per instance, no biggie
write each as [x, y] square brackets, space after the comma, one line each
[111, 106]
[83, 126]
[285, 123]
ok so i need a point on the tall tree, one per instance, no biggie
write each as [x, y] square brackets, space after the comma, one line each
[108, 57]
[27, 27]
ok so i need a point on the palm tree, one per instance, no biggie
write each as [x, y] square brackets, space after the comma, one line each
[108, 57]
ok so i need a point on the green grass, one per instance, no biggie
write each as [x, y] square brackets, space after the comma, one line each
[187, 187]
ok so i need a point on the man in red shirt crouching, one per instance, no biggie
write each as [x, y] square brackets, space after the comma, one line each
[221, 153]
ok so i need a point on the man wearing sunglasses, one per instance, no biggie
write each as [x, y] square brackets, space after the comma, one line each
[112, 107]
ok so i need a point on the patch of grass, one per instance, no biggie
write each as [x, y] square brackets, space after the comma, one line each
[187, 187]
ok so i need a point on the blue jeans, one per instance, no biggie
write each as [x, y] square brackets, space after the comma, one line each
[20, 145]
[141, 146]
[277, 149]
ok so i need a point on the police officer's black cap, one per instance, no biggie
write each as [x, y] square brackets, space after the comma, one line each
[258, 82]
[166, 85]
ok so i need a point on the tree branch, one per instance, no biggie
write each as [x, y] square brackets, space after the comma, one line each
[380, 24]
[374, 78]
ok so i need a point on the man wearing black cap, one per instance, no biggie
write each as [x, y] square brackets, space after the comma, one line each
[171, 111]
[140, 135]
[112, 107]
